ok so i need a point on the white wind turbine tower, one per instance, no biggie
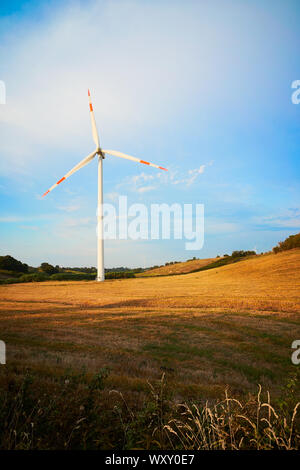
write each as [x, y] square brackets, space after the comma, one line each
[101, 155]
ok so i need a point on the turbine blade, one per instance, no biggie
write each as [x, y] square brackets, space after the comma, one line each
[79, 165]
[129, 157]
[94, 127]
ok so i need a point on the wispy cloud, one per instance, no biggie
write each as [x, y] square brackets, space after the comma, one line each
[194, 174]
[29, 227]
[12, 219]
[289, 218]
[142, 177]
[69, 207]
[144, 189]
[20, 218]
[215, 226]
[113, 196]
[136, 183]
[191, 177]
[80, 222]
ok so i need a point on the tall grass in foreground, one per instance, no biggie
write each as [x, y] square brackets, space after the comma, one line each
[233, 425]
[80, 412]
[228, 425]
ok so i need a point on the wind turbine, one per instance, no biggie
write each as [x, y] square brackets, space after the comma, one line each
[101, 155]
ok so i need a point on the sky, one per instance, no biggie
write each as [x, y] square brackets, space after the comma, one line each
[201, 88]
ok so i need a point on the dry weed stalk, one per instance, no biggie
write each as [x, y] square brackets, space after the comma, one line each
[231, 425]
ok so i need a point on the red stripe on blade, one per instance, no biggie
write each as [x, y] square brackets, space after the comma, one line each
[162, 168]
[46, 193]
[145, 163]
[91, 107]
[89, 93]
[60, 180]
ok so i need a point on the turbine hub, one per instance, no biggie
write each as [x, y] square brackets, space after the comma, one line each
[100, 153]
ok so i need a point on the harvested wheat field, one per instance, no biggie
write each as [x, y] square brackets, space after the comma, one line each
[227, 327]
[178, 268]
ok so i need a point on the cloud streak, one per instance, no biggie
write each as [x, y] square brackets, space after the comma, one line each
[286, 219]
[136, 183]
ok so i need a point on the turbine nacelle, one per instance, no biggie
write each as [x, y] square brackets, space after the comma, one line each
[100, 153]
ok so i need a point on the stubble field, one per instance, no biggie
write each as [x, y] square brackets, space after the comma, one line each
[227, 327]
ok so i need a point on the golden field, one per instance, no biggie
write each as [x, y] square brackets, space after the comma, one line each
[230, 326]
[178, 268]
[244, 314]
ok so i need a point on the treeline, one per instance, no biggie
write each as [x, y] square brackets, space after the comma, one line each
[228, 259]
[67, 276]
[107, 270]
[13, 270]
[293, 241]
[8, 263]
[81, 270]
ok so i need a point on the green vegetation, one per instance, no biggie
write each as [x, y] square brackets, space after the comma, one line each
[86, 270]
[234, 258]
[69, 276]
[48, 272]
[293, 241]
[11, 264]
[119, 275]
[97, 418]
[12, 270]
[64, 276]
[72, 277]
[33, 277]
[5, 274]
[48, 268]
[93, 270]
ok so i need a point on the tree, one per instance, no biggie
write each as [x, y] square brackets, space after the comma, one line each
[242, 253]
[11, 264]
[293, 241]
[48, 269]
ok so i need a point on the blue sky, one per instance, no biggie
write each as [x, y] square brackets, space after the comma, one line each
[187, 85]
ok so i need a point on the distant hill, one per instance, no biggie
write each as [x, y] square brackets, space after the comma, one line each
[11, 267]
[267, 282]
[179, 268]
[195, 265]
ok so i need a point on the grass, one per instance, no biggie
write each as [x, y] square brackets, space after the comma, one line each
[183, 267]
[193, 266]
[4, 274]
[225, 328]
[230, 424]
[63, 276]
[77, 411]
